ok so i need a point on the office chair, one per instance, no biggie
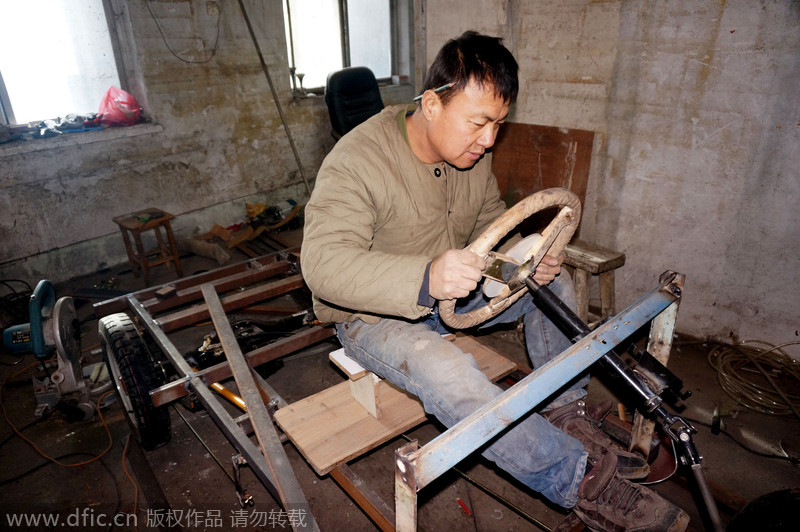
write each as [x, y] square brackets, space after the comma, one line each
[352, 96]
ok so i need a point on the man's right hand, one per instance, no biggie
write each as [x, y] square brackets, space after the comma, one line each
[455, 273]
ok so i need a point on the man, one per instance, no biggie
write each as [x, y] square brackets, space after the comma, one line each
[394, 205]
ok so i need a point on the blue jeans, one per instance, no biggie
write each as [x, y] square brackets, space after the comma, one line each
[414, 356]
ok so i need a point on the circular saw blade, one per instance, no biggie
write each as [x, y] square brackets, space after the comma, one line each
[65, 329]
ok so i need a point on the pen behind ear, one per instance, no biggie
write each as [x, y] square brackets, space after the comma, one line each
[439, 89]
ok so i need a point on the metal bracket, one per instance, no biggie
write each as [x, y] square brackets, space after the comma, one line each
[245, 499]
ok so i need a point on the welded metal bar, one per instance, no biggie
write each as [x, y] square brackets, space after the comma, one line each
[160, 337]
[218, 372]
[405, 488]
[223, 420]
[369, 501]
[187, 289]
[291, 495]
[473, 431]
[218, 413]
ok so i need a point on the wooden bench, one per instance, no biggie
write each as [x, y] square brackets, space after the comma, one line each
[332, 427]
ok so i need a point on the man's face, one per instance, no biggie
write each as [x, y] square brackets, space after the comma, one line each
[462, 130]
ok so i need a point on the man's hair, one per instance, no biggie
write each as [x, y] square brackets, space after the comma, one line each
[478, 57]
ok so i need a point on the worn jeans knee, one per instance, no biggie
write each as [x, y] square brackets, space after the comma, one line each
[415, 357]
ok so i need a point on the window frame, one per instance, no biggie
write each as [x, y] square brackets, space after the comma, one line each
[131, 78]
[400, 42]
[120, 32]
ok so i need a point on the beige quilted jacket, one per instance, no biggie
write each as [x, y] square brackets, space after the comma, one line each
[378, 216]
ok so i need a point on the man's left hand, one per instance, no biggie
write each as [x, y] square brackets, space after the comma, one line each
[548, 269]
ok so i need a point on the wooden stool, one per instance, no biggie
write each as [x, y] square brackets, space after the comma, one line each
[587, 260]
[136, 223]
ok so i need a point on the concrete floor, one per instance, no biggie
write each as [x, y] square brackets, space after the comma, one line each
[185, 475]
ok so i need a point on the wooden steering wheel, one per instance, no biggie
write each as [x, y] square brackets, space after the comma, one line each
[554, 237]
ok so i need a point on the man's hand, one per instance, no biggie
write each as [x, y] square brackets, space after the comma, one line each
[547, 270]
[455, 273]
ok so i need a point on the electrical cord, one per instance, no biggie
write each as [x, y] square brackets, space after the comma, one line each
[164, 39]
[34, 446]
[130, 478]
[737, 364]
[58, 460]
[32, 423]
[15, 303]
[48, 462]
[62, 457]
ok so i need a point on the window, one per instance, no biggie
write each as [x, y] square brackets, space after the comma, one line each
[57, 59]
[326, 35]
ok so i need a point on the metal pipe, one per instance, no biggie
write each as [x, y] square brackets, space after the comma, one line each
[705, 490]
[229, 395]
[575, 329]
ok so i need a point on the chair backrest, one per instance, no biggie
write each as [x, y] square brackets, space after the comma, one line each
[352, 95]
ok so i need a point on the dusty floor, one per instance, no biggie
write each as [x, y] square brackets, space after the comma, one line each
[182, 485]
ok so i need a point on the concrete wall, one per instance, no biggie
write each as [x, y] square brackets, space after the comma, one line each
[694, 167]
[215, 143]
[696, 157]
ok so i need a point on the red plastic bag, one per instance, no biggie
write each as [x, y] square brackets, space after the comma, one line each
[118, 108]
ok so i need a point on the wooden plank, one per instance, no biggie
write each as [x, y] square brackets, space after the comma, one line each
[188, 288]
[492, 363]
[234, 301]
[350, 367]
[591, 257]
[527, 158]
[659, 344]
[369, 501]
[607, 295]
[363, 391]
[331, 427]
[580, 279]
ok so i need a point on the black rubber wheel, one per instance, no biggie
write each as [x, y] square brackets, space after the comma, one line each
[135, 372]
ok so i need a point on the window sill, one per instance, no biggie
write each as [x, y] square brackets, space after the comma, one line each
[75, 139]
[390, 93]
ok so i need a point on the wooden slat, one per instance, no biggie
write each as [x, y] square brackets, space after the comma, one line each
[591, 257]
[234, 301]
[369, 501]
[528, 158]
[331, 427]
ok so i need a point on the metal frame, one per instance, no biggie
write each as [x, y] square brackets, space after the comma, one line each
[194, 299]
[417, 467]
[197, 298]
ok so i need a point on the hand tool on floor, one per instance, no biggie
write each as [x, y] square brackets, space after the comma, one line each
[54, 331]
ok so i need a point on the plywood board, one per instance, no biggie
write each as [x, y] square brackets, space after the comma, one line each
[330, 428]
[527, 158]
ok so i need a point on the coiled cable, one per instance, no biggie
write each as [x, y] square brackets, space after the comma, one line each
[748, 372]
